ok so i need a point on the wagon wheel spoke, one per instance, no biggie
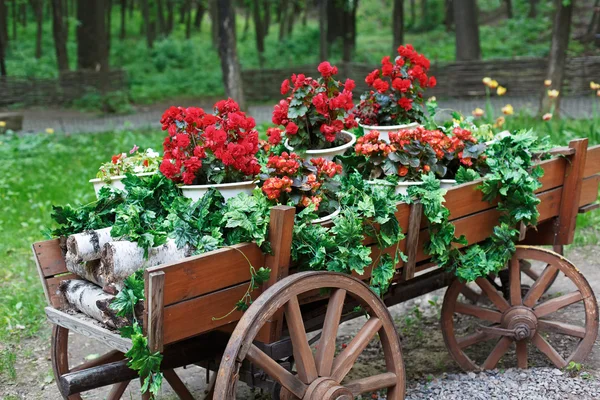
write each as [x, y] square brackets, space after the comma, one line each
[326, 348]
[107, 358]
[548, 350]
[561, 328]
[473, 339]
[522, 354]
[496, 354]
[117, 390]
[492, 293]
[372, 383]
[480, 312]
[305, 362]
[553, 305]
[515, 282]
[540, 285]
[345, 360]
[276, 371]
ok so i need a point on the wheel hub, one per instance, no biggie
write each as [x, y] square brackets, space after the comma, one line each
[327, 389]
[521, 321]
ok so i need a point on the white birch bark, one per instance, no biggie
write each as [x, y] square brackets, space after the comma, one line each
[87, 246]
[91, 300]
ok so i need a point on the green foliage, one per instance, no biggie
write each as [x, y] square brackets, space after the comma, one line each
[144, 361]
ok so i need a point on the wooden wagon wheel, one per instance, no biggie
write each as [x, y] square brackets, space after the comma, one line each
[319, 377]
[60, 366]
[525, 320]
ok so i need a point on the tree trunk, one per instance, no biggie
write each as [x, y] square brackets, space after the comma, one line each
[267, 21]
[14, 19]
[214, 19]
[293, 13]
[283, 10]
[425, 14]
[188, 20]
[259, 32]
[335, 20]
[397, 25]
[67, 13]
[149, 23]
[4, 21]
[60, 35]
[39, 19]
[92, 51]
[413, 13]
[509, 8]
[594, 25]
[230, 66]
[123, 31]
[160, 12]
[23, 15]
[170, 16]
[108, 23]
[2, 58]
[349, 29]
[305, 13]
[200, 10]
[448, 14]
[323, 43]
[532, 9]
[247, 16]
[467, 30]
[561, 32]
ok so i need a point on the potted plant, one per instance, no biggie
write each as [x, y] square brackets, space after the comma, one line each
[395, 100]
[289, 179]
[315, 114]
[206, 150]
[140, 163]
[413, 152]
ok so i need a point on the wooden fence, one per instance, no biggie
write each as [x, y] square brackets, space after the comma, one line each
[68, 87]
[522, 77]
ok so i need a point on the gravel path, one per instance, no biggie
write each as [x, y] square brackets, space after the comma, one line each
[72, 121]
[532, 384]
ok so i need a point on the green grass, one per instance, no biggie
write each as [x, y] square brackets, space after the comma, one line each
[37, 171]
[177, 67]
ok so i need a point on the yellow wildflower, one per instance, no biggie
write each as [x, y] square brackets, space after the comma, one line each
[2, 124]
[508, 109]
[499, 122]
[547, 117]
[594, 85]
[478, 112]
[501, 90]
[493, 84]
[547, 83]
[432, 98]
[486, 81]
[49, 131]
[553, 93]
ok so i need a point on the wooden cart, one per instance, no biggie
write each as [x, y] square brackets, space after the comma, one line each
[260, 345]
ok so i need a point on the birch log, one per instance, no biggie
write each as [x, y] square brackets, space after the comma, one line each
[87, 246]
[88, 270]
[122, 258]
[92, 301]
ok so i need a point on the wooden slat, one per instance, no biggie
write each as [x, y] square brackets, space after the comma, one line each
[571, 193]
[49, 257]
[155, 285]
[592, 162]
[208, 272]
[412, 240]
[86, 326]
[195, 316]
[588, 208]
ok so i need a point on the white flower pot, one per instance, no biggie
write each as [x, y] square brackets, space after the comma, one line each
[228, 190]
[115, 181]
[400, 188]
[447, 183]
[329, 154]
[384, 131]
[326, 218]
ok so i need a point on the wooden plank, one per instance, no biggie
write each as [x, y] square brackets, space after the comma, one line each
[208, 272]
[155, 306]
[592, 162]
[588, 208]
[571, 193]
[49, 257]
[195, 316]
[412, 240]
[589, 190]
[56, 299]
[88, 327]
[281, 229]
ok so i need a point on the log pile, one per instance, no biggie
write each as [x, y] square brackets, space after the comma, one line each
[103, 264]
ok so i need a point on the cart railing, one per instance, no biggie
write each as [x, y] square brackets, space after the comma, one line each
[186, 298]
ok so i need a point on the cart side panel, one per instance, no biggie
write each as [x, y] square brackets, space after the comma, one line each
[50, 262]
[592, 162]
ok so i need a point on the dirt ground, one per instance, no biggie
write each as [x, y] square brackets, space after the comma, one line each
[424, 352]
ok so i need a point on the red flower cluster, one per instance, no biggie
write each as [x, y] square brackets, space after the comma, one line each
[315, 109]
[326, 167]
[226, 139]
[273, 187]
[286, 164]
[403, 82]
[369, 145]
